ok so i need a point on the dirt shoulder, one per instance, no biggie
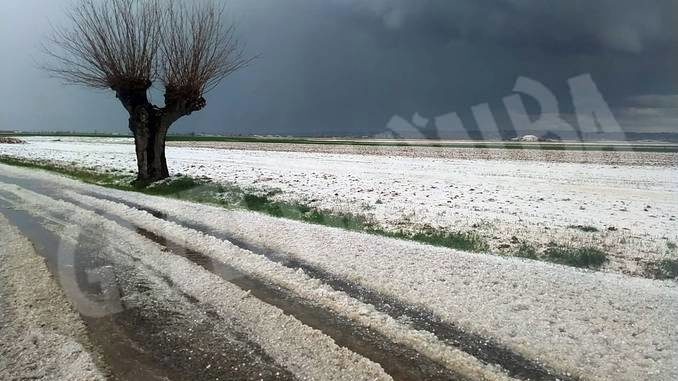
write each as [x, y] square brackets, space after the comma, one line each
[42, 336]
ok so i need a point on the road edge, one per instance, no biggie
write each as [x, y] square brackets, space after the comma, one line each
[43, 335]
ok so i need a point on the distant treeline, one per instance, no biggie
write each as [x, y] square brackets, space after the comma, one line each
[669, 137]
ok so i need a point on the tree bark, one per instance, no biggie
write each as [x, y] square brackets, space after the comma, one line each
[150, 124]
[150, 132]
[159, 163]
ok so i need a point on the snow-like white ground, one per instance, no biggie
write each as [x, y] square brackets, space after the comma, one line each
[42, 336]
[593, 325]
[535, 201]
[323, 360]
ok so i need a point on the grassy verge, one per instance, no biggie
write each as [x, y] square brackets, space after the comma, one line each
[229, 196]
[582, 257]
[467, 241]
[664, 269]
[525, 250]
[586, 257]
[88, 175]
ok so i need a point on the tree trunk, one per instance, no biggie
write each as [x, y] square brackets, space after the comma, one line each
[149, 124]
[150, 132]
[159, 162]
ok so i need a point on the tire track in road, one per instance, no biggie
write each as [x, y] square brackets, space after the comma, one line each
[419, 318]
[307, 353]
[399, 361]
[408, 365]
[459, 363]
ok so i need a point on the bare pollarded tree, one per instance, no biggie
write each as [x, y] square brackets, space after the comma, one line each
[128, 45]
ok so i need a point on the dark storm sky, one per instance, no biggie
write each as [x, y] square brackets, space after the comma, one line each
[348, 66]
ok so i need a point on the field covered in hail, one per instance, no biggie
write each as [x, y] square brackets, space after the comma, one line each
[529, 203]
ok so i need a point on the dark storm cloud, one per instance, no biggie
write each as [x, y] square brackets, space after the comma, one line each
[556, 26]
[348, 66]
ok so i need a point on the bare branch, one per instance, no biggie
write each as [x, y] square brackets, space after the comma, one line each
[198, 49]
[126, 45]
[109, 44]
